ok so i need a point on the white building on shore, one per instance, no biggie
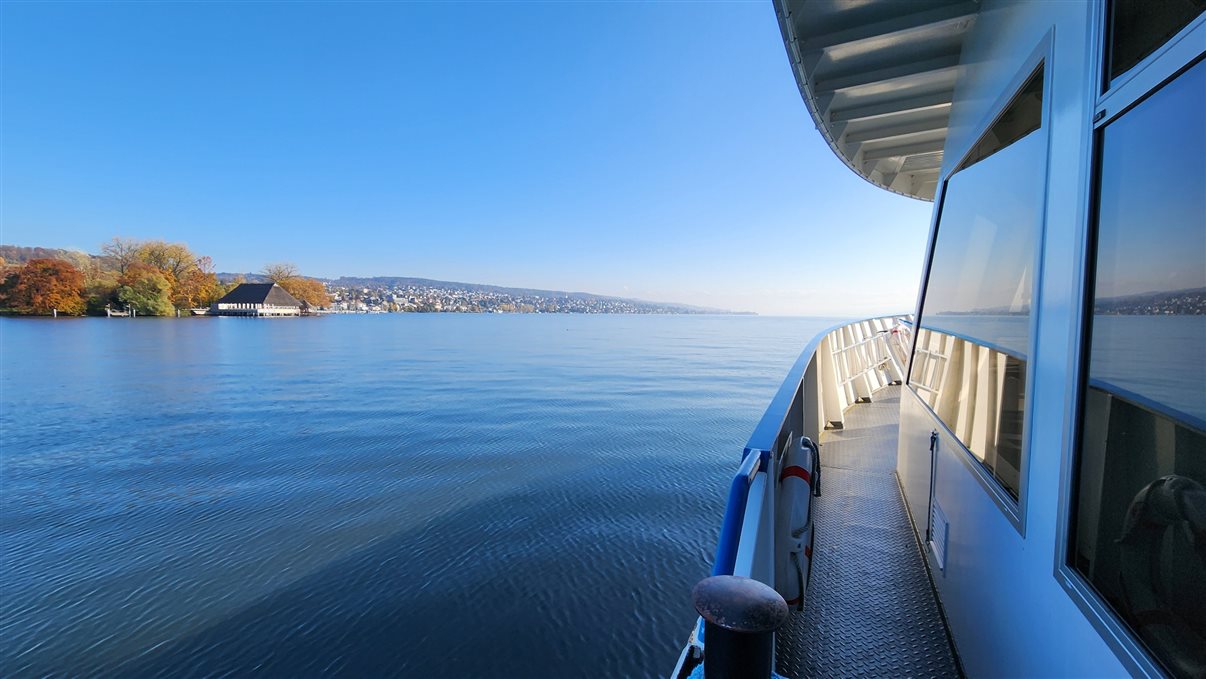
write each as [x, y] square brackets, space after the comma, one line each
[257, 299]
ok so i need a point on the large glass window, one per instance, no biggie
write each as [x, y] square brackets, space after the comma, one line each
[970, 360]
[1139, 523]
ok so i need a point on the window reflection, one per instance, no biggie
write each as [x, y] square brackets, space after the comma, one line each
[979, 392]
[970, 359]
[981, 279]
[1139, 527]
[1023, 116]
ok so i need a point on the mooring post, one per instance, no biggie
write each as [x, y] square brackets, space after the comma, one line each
[740, 618]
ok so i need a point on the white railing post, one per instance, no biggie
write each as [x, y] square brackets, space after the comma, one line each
[814, 408]
[832, 392]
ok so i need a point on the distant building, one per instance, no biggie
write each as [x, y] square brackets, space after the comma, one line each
[257, 299]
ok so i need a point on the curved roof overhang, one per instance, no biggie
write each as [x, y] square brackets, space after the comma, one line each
[878, 77]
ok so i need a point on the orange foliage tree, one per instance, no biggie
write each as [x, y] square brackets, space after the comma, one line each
[307, 290]
[44, 285]
[196, 285]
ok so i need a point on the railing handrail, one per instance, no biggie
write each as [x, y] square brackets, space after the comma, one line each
[730, 529]
[762, 441]
[773, 419]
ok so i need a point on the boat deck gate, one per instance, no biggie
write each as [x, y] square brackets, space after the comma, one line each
[871, 609]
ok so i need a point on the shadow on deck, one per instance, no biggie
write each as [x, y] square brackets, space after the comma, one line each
[871, 609]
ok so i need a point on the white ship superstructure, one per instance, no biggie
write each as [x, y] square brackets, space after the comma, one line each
[1011, 480]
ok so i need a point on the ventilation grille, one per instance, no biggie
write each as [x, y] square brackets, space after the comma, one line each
[938, 530]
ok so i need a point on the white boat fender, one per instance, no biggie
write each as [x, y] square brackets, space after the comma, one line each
[1162, 554]
[793, 547]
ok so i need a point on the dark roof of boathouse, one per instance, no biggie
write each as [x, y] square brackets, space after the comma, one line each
[260, 293]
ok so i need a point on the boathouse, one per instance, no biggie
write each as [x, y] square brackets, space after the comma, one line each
[257, 299]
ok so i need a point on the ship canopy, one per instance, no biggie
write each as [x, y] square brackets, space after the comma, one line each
[878, 77]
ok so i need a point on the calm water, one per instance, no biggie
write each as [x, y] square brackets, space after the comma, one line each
[421, 495]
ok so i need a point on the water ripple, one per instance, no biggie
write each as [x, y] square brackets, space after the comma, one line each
[403, 495]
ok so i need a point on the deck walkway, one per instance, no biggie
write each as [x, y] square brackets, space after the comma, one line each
[871, 610]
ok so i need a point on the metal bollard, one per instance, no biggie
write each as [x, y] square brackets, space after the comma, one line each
[740, 618]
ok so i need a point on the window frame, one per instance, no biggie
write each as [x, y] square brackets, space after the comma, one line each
[1042, 56]
[1107, 101]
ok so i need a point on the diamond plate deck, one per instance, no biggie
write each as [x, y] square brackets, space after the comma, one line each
[871, 610]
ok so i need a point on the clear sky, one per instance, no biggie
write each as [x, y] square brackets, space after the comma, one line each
[654, 150]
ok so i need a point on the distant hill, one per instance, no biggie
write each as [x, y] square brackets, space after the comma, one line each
[1181, 302]
[1191, 301]
[19, 254]
[227, 277]
[404, 281]
[394, 282]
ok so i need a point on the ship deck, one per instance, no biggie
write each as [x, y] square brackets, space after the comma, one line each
[871, 608]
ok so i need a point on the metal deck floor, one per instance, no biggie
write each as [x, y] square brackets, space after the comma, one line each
[870, 609]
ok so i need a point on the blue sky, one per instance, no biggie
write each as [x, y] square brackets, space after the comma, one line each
[654, 150]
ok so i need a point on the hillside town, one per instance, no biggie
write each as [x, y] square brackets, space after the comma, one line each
[1178, 302]
[452, 299]
[158, 278]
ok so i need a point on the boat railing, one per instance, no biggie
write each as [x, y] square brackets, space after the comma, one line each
[840, 366]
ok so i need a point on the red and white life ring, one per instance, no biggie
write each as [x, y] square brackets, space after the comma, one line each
[793, 521]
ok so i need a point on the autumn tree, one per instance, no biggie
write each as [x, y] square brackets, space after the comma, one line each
[307, 290]
[174, 260]
[226, 288]
[190, 279]
[100, 289]
[197, 285]
[44, 285]
[145, 289]
[280, 272]
[122, 252]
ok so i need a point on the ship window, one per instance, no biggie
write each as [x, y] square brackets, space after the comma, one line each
[969, 363]
[1139, 27]
[1023, 116]
[1138, 530]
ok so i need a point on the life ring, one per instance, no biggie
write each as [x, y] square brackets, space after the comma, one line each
[793, 520]
[1162, 569]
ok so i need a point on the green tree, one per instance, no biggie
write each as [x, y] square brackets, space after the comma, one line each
[146, 290]
[100, 290]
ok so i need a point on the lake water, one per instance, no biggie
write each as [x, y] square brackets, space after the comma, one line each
[419, 495]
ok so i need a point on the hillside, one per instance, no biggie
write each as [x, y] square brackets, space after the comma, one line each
[406, 282]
